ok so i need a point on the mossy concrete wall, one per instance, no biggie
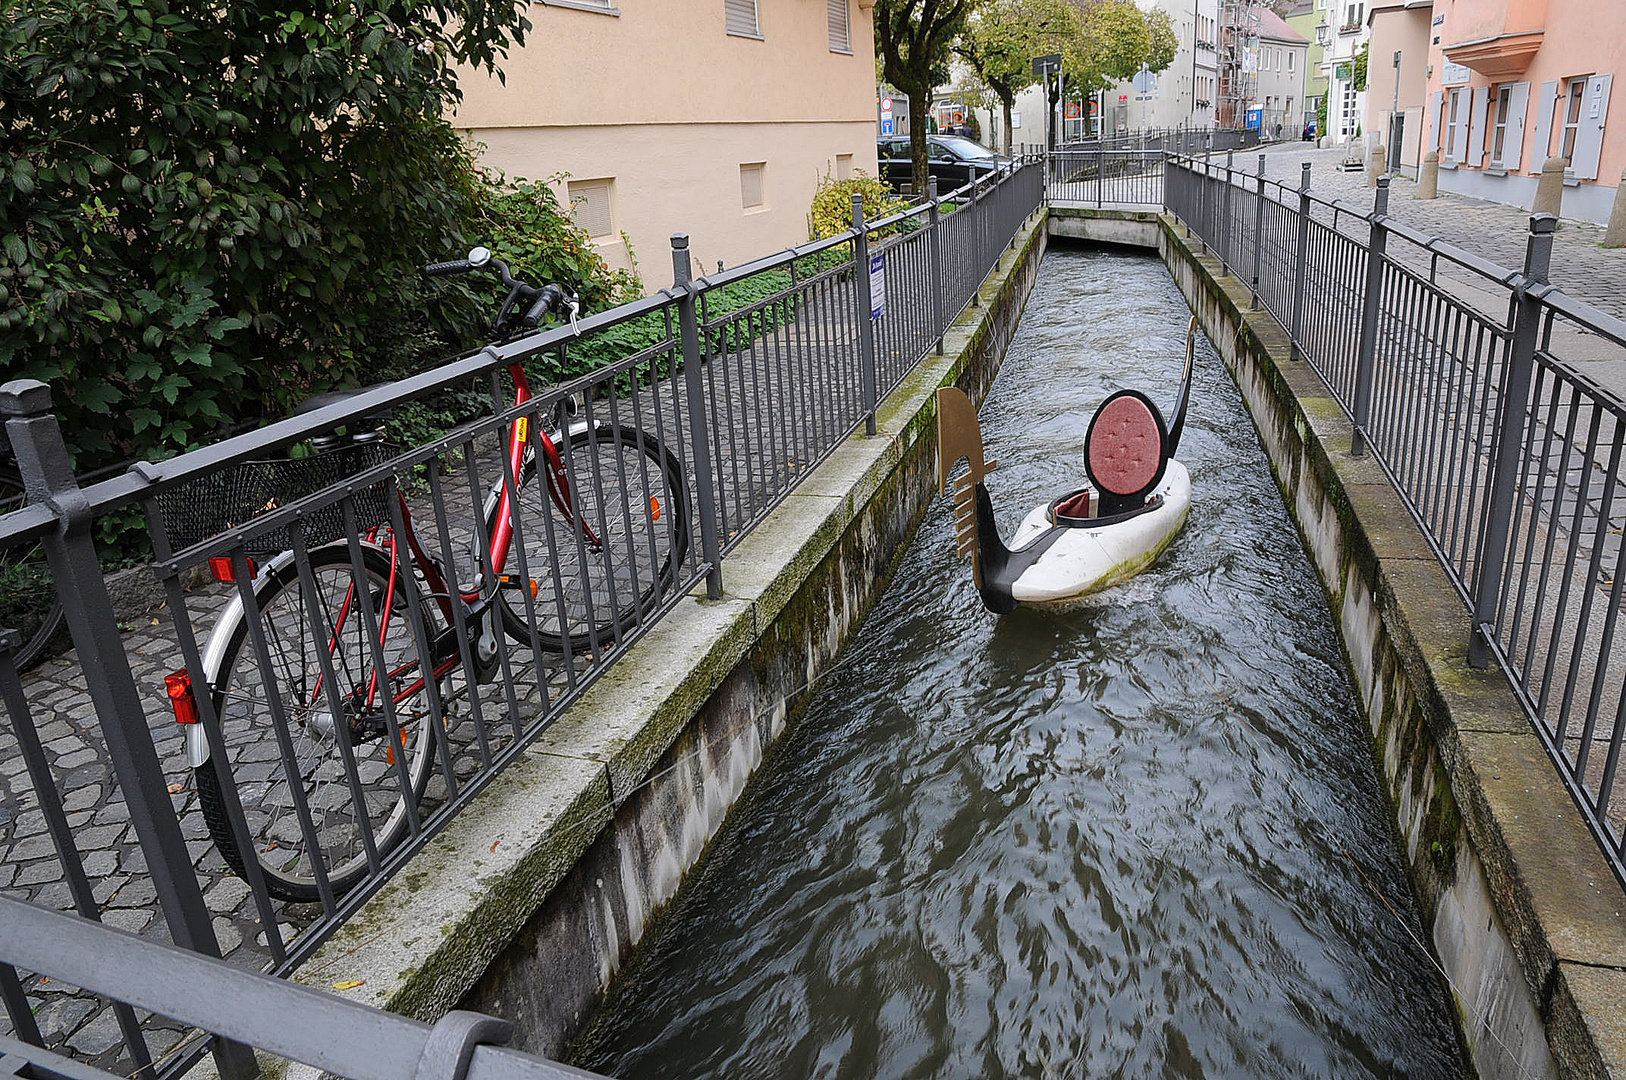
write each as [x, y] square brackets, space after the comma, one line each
[1526, 920]
[535, 895]
[1127, 227]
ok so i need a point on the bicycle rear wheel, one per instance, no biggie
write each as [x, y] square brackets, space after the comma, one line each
[364, 690]
[594, 578]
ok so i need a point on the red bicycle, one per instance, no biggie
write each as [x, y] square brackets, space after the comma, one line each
[329, 709]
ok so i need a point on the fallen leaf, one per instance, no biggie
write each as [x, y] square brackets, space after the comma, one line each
[175, 789]
[348, 984]
[494, 844]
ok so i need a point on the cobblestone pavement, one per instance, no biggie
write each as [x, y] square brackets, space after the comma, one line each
[1496, 231]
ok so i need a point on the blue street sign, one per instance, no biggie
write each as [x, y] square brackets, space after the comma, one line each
[1255, 118]
[886, 127]
[877, 286]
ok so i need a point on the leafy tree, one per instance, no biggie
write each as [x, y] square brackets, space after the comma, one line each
[1359, 71]
[1114, 39]
[1002, 38]
[913, 39]
[207, 210]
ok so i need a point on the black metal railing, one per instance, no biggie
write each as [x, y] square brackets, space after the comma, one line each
[1101, 178]
[377, 638]
[1461, 380]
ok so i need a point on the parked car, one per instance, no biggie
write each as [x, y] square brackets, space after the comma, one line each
[953, 159]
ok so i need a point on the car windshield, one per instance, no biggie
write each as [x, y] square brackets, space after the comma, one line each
[965, 148]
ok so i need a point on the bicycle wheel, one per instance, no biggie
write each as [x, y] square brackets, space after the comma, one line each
[29, 604]
[248, 724]
[618, 557]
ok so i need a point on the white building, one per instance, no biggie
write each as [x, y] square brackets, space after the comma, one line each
[1279, 94]
[1347, 33]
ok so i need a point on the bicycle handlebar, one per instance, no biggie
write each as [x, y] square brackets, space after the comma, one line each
[549, 299]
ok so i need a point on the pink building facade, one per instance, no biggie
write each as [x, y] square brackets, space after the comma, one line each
[1511, 83]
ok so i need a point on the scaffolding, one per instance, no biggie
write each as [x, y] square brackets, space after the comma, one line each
[1238, 61]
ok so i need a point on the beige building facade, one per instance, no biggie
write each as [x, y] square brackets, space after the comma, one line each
[715, 118]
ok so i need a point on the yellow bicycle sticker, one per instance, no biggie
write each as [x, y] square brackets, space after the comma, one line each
[522, 428]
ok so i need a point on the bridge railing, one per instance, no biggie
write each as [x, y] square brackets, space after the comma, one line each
[342, 658]
[1464, 380]
[1106, 178]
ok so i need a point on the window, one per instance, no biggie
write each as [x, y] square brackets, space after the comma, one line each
[751, 186]
[844, 166]
[840, 41]
[591, 206]
[1572, 116]
[1504, 101]
[1348, 121]
[1451, 121]
[1289, 62]
[740, 18]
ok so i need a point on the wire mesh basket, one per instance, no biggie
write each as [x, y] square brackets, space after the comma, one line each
[208, 507]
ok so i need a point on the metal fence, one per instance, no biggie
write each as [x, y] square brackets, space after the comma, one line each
[380, 631]
[1460, 378]
[1101, 177]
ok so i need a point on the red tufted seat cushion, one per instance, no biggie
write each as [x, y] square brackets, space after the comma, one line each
[1125, 446]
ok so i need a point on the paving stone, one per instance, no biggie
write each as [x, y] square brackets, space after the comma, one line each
[227, 894]
[54, 896]
[105, 889]
[56, 729]
[61, 1015]
[101, 863]
[102, 836]
[66, 745]
[98, 1036]
[37, 847]
[84, 798]
[38, 873]
[228, 935]
[138, 893]
[134, 920]
[76, 759]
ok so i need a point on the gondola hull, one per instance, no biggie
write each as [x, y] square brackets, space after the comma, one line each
[1085, 560]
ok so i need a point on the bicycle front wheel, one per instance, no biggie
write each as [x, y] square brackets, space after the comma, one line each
[276, 765]
[595, 575]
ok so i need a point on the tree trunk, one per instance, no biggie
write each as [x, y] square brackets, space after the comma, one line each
[1005, 102]
[917, 142]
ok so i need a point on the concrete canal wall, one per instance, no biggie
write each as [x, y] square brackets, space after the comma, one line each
[535, 895]
[1526, 919]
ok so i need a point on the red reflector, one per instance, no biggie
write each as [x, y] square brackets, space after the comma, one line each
[222, 568]
[178, 685]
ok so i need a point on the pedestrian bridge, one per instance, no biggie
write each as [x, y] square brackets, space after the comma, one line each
[575, 790]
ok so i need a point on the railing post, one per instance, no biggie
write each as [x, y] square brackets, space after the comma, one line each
[1224, 230]
[1258, 230]
[1293, 350]
[1510, 425]
[70, 552]
[866, 306]
[1100, 170]
[699, 421]
[1366, 358]
[934, 217]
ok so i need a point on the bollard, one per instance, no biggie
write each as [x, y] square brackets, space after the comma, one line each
[1513, 416]
[1377, 164]
[1550, 188]
[1428, 178]
[1366, 358]
[699, 434]
[1615, 234]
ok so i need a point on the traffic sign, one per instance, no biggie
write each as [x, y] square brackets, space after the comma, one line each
[886, 104]
[1043, 64]
[1072, 110]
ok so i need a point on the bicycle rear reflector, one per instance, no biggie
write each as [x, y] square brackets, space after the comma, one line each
[224, 568]
[178, 685]
[514, 581]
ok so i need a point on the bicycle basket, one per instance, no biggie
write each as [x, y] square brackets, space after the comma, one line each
[236, 494]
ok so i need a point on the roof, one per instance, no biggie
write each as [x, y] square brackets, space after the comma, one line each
[1274, 27]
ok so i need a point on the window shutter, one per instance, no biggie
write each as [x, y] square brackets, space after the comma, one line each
[741, 17]
[590, 206]
[1544, 125]
[1476, 126]
[1518, 100]
[1459, 111]
[1589, 134]
[1436, 103]
[840, 39]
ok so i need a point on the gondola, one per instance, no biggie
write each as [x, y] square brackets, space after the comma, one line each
[1085, 539]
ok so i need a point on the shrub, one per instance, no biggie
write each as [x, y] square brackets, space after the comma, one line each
[832, 209]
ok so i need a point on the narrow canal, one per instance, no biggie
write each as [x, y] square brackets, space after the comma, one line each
[1141, 839]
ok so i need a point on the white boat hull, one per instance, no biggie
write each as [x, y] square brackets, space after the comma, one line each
[1086, 560]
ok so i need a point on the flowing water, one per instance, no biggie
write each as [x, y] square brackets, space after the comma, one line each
[1140, 839]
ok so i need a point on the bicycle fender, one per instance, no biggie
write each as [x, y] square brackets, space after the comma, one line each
[214, 651]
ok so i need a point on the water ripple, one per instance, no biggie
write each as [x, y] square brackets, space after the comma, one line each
[1124, 841]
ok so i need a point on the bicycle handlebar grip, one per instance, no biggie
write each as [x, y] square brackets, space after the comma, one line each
[455, 266]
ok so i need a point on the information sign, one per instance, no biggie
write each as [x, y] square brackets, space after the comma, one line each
[877, 286]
